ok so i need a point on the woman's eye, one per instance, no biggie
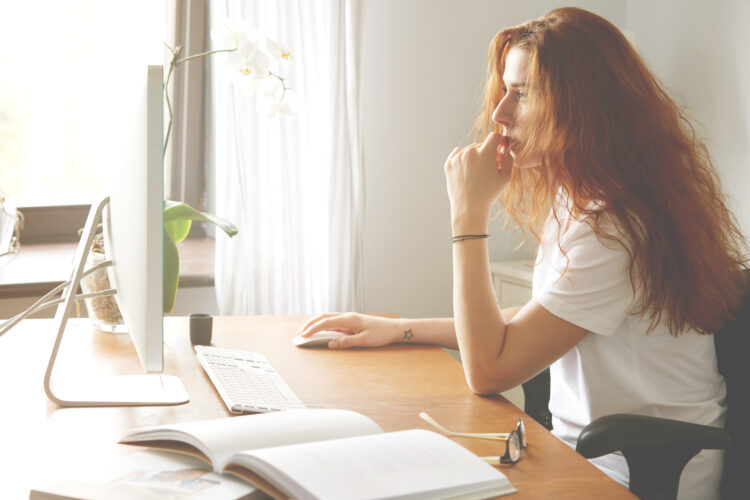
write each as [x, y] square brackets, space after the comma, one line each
[520, 94]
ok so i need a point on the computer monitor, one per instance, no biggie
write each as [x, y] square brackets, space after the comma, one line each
[134, 221]
[132, 217]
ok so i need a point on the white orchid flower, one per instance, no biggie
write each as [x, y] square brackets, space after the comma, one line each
[282, 103]
[234, 33]
[248, 59]
[249, 62]
[247, 65]
[288, 104]
[278, 50]
[281, 56]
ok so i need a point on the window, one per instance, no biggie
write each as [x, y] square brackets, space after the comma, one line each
[60, 64]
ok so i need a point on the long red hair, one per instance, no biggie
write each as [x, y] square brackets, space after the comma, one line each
[619, 147]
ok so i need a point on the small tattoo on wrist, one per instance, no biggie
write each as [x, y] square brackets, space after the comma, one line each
[408, 335]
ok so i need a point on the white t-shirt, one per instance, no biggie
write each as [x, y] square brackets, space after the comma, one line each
[617, 367]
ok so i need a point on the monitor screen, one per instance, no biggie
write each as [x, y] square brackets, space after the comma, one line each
[134, 220]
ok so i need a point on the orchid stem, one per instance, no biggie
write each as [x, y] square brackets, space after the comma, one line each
[175, 61]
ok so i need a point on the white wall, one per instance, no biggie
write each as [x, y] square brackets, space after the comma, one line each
[701, 51]
[423, 68]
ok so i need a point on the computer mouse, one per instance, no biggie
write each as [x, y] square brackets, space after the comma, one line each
[317, 339]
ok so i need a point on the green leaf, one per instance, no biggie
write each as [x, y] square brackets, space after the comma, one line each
[178, 217]
[171, 260]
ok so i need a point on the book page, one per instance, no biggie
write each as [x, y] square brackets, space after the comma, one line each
[415, 463]
[220, 438]
[145, 475]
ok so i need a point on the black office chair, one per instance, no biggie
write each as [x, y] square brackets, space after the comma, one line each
[657, 449]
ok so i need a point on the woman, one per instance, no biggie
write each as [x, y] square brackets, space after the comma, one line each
[638, 252]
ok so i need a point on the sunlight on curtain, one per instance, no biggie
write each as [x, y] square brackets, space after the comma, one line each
[292, 185]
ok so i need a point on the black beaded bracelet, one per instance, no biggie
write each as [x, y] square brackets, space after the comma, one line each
[462, 237]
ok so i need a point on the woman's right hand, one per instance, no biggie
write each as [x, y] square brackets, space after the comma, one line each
[361, 330]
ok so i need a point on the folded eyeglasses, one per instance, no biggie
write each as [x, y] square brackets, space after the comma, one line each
[515, 440]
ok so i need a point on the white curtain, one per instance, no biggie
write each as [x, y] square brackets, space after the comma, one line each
[293, 186]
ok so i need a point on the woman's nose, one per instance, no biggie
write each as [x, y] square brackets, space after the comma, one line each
[503, 115]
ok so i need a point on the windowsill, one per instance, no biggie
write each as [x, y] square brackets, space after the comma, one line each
[40, 267]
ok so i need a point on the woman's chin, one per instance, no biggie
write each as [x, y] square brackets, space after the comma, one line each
[524, 163]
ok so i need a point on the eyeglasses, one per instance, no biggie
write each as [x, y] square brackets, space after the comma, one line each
[513, 445]
[515, 440]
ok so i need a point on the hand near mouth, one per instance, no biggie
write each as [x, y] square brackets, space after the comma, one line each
[502, 156]
[476, 175]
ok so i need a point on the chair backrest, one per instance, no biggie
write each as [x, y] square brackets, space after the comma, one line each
[732, 348]
[536, 398]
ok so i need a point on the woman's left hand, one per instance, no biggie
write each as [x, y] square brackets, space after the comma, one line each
[476, 176]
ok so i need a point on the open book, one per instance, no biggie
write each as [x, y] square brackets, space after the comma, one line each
[318, 453]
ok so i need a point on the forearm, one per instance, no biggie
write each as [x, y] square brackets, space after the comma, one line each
[439, 331]
[479, 323]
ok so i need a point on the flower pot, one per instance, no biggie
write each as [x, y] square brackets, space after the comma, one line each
[103, 311]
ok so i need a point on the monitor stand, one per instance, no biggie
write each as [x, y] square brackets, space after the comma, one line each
[120, 390]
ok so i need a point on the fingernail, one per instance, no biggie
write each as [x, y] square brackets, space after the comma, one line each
[333, 344]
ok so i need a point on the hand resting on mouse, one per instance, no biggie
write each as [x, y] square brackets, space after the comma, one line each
[317, 339]
[354, 329]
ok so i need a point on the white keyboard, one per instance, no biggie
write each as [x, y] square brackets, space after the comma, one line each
[246, 381]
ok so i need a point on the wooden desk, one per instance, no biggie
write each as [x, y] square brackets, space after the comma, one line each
[39, 440]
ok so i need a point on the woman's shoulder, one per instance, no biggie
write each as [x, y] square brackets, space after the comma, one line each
[595, 222]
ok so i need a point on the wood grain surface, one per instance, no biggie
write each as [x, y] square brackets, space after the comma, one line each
[42, 442]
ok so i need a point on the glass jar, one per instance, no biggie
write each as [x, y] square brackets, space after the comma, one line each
[103, 311]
